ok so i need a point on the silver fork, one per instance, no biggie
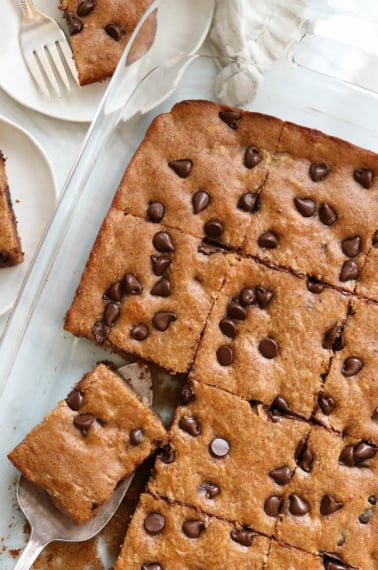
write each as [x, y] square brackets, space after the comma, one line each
[46, 50]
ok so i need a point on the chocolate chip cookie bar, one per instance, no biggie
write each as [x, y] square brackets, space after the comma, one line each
[93, 439]
[350, 388]
[165, 536]
[282, 557]
[10, 245]
[144, 287]
[367, 286]
[229, 458]
[270, 335]
[318, 208]
[100, 30]
[203, 165]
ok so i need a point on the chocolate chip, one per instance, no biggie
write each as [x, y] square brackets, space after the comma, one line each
[330, 336]
[305, 206]
[214, 228]
[200, 201]
[327, 214]
[304, 456]
[298, 506]
[139, 331]
[136, 436]
[154, 523]
[85, 8]
[74, 25]
[114, 31]
[162, 288]
[151, 566]
[162, 241]
[114, 292]
[349, 271]
[155, 212]
[318, 171]
[252, 157]
[236, 311]
[352, 365]
[264, 297]
[365, 517]
[168, 454]
[351, 246]
[332, 561]
[219, 447]
[83, 422]
[372, 500]
[314, 286]
[346, 456]
[247, 201]
[192, 528]
[247, 296]
[225, 355]
[272, 505]
[228, 327]
[326, 403]
[268, 347]
[181, 167]
[132, 284]
[211, 490]
[329, 505]
[101, 422]
[100, 331]
[281, 475]
[280, 406]
[268, 240]
[374, 415]
[243, 536]
[231, 118]
[111, 314]
[160, 264]
[162, 320]
[363, 176]
[187, 392]
[75, 400]
[362, 452]
[191, 425]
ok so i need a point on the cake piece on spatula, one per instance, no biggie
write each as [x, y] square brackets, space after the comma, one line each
[10, 245]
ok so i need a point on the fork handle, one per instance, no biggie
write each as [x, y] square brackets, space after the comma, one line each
[28, 8]
[30, 553]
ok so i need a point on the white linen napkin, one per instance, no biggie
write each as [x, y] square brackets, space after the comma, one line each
[248, 36]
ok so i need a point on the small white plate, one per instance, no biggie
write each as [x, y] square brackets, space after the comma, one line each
[79, 105]
[34, 191]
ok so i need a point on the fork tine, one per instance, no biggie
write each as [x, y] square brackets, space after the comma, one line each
[67, 53]
[46, 66]
[36, 74]
[55, 56]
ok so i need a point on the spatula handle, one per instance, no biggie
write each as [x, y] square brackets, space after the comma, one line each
[30, 553]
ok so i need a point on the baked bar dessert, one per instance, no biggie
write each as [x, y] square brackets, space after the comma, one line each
[100, 30]
[93, 439]
[351, 384]
[205, 164]
[146, 285]
[237, 458]
[165, 536]
[367, 286]
[282, 557]
[267, 337]
[320, 207]
[10, 244]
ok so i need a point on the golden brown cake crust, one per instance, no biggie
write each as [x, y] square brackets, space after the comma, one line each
[88, 443]
[10, 244]
[100, 30]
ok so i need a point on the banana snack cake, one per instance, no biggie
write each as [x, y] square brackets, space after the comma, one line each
[241, 250]
[10, 245]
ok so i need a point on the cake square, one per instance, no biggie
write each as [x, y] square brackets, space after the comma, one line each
[163, 535]
[228, 458]
[10, 245]
[144, 287]
[283, 557]
[271, 345]
[351, 385]
[92, 440]
[204, 164]
[319, 206]
[100, 30]
[331, 506]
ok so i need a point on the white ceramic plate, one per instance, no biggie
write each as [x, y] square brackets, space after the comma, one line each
[79, 105]
[34, 191]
